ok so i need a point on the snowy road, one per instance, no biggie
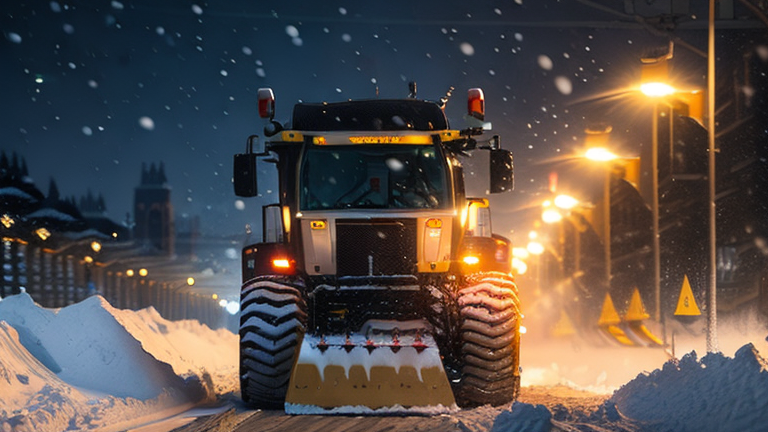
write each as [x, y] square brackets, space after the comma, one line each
[92, 367]
[578, 405]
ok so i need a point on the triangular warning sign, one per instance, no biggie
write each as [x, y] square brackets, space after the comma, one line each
[686, 304]
[636, 311]
[564, 326]
[608, 316]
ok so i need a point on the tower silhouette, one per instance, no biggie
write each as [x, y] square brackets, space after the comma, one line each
[153, 211]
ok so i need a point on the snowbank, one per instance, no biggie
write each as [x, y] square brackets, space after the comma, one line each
[715, 393]
[89, 365]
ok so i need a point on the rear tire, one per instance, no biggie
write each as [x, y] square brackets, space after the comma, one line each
[489, 309]
[272, 322]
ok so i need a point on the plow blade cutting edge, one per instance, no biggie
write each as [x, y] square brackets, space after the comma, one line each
[358, 375]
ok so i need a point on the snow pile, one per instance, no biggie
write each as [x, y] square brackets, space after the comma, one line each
[716, 393]
[89, 365]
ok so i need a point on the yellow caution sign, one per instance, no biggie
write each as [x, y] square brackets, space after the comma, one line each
[608, 316]
[686, 304]
[564, 326]
[636, 311]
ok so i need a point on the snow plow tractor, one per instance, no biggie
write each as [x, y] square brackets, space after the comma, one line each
[378, 286]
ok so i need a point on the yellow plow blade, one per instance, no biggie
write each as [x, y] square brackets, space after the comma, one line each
[357, 375]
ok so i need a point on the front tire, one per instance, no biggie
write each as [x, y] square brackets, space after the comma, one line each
[489, 309]
[272, 322]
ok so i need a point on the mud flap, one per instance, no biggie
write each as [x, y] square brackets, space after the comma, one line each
[359, 375]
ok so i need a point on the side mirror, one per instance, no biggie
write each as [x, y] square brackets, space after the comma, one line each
[244, 172]
[502, 171]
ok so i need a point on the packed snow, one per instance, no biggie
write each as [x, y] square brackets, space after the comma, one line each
[91, 366]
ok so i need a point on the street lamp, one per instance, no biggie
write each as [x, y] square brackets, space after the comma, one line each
[596, 152]
[654, 75]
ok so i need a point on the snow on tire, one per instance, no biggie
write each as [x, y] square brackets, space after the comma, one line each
[272, 320]
[489, 307]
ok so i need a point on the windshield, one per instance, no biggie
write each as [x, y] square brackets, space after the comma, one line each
[381, 176]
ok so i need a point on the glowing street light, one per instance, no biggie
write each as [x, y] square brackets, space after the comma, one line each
[43, 233]
[566, 202]
[656, 89]
[550, 215]
[535, 248]
[600, 154]
[7, 221]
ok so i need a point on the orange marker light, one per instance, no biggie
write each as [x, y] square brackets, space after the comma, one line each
[281, 263]
[434, 223]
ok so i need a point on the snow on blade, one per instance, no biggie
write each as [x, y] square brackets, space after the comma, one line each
[300, 409]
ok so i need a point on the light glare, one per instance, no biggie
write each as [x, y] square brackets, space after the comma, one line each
[656, 89]
[599, 154]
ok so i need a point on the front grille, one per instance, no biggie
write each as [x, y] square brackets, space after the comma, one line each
[375, 247]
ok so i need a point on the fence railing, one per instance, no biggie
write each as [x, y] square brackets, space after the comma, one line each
[56, 279]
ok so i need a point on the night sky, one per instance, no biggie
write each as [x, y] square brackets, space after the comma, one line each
[93, 89]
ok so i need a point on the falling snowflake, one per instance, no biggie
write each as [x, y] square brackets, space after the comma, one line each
[292, 31]
[87, 131]
[147, 123]
[467, 49]
[197, 9]
[563, 85]
[14, 37]
[545, 62]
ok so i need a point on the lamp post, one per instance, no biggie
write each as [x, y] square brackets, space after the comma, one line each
[654, 74]
[712, 297]
[601, 154]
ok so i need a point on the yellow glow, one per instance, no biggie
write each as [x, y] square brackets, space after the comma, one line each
[287, 219]
[7, 221]
[143, 272]
[566, 202]
[129, 272]
[656, 89]
[43, 233]
[88, 259]
[599, 154]
[533, 235]
[95, 246]
[551, 215]
[292, 136]
[215, 296]
[317, 224]
[281, 263]
[190, 281]
[389, 139]
[535, 248]
[434, 223]
[471, 260]
[520, 252]
[519, 266]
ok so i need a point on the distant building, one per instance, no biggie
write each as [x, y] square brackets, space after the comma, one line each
[153, 211]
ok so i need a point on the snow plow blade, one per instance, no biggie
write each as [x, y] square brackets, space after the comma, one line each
[358, 375]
